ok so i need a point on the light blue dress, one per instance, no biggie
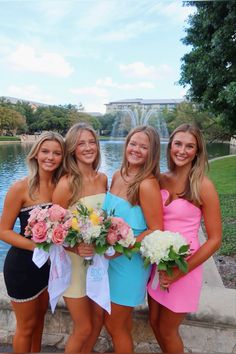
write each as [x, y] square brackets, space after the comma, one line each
[127, 278]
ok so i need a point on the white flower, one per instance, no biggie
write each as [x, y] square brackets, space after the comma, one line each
[156, 246]
[129, 240]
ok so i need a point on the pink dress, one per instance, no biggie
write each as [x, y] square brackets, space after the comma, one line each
[183, 296]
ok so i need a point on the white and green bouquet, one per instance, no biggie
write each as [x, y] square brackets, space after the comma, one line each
[165, 249]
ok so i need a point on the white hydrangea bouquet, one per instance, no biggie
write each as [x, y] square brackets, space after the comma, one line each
[165, 249]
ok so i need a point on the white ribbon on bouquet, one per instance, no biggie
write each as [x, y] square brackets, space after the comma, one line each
[97, 281]
[60, 271]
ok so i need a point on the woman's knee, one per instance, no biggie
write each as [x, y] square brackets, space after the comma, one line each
[27, 327]
[83, 329]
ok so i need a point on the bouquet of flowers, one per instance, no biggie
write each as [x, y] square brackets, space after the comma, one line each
[48, 226]
[165, 249]
[118, 235]
[94, 226]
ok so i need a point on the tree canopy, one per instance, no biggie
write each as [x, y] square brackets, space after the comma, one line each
[210, 67]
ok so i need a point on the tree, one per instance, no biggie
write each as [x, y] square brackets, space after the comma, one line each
[210, 67]
[11, 120]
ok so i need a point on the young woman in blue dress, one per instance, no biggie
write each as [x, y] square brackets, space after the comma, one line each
[134, 196]
[81, 183]
[26, 283]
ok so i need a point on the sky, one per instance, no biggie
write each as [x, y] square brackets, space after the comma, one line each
[91, 51]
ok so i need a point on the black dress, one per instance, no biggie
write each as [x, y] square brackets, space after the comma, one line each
[24, 280]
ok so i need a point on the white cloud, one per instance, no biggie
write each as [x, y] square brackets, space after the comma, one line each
[90, 90]
[126, 32]
[25, 58]
[174, 10]
[108, 82]
[30, 93]
[140, 70]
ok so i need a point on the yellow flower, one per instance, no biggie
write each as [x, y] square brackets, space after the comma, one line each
[94, 218]
[74, 224]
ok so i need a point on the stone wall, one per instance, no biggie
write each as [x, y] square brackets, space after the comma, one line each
[211, 329]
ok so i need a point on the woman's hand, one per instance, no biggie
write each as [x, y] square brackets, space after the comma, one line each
[85, 250]
[166, 280]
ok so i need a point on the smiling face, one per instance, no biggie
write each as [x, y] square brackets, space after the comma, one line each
[183, 149]
[49, 155]
[137, 149]
[86, 150]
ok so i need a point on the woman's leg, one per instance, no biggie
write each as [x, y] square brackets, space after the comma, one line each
[154, 319]
[97, 314]
[42, 306]
[167, 330]
[119, 326]
[29, 324]
[79, 309]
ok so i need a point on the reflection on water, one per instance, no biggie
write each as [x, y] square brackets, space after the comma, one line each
[13, 167]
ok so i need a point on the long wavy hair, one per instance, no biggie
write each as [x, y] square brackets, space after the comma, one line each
[191, 191]
[32, 162]
[70, 164]
[151, 166]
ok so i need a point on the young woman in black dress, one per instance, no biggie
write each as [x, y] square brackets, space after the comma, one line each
[26, 283]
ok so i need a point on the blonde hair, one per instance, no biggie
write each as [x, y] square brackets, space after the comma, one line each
[70, 163]
[199, 163]
[151, 167]
[32, 162]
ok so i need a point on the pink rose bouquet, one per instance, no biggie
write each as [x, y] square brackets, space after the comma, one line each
[116, 233]
[48, 226]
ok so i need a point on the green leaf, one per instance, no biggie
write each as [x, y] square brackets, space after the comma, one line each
[184, 249]
[162, 266]
[118, 248]
[146, 262]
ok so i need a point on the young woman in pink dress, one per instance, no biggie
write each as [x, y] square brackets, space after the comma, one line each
[188, 195]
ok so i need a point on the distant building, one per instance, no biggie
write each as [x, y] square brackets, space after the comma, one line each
[34, 105]
[147, 104]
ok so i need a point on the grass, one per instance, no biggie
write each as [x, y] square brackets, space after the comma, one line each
[9, 138]
[223, 174]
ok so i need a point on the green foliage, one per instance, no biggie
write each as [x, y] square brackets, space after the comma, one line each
[10, 120]
[210, 67]
[9, 138]
[188, 112]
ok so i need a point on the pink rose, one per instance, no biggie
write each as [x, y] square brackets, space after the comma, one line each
[59, 235]
[56, 213]
[39, 232]
[121, 227]
[112, 237]
[67, 224]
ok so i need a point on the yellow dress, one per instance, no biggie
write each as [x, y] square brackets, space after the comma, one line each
[77, 287]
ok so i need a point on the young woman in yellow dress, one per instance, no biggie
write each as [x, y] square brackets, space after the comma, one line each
[26, 283]
[82, 183]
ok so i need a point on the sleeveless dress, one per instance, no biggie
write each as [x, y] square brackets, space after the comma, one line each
[127, 278]
[184, 217]
[77, 287]
[24, 280]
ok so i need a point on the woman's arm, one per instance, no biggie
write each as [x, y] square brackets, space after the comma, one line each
[12, 205]
[151, 204]
[212, 219]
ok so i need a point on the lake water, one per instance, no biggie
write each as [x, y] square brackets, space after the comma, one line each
[13, 167]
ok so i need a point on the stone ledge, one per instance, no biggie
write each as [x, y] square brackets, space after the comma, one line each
[211, 329]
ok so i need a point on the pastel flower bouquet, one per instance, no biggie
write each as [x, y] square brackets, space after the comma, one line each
[165, 249]
[48, 226]
[94, 226]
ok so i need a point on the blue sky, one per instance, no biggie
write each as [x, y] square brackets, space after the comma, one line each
[91, 51]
